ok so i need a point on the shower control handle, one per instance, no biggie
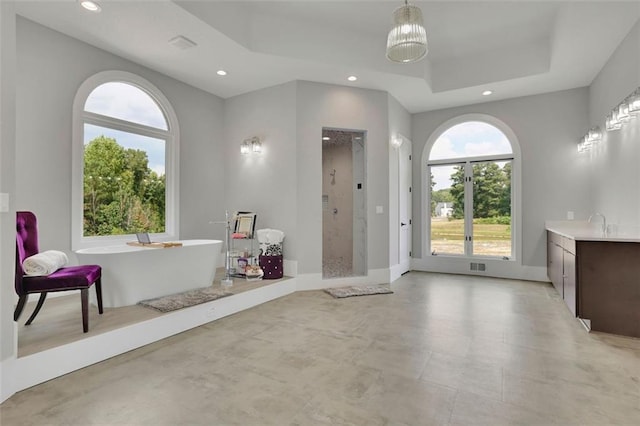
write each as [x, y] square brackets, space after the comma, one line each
[335, 211]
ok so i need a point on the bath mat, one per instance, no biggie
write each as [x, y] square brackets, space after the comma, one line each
[364, 290]
[184, 300]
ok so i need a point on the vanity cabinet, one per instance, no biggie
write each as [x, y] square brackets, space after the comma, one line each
[561, 268]
[554, 262]
[599, 280]
[609, 286]
[569, 281]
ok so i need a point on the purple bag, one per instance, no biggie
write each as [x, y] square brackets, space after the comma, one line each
[272, 267]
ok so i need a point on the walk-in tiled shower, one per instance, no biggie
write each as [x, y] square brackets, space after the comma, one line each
[344, 221]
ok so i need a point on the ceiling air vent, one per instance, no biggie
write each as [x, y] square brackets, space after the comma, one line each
[182, 43]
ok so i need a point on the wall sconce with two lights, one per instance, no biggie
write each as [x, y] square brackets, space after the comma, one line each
[251, 145]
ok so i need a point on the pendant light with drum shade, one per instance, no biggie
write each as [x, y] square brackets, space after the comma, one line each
[407, 39]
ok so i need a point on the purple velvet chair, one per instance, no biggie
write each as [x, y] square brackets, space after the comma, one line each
[64, 279]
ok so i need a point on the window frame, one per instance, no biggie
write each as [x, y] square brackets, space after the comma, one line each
[516, 187]
[170, 136]
[467, 163]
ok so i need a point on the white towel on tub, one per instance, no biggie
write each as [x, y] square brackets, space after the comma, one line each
[44, 263]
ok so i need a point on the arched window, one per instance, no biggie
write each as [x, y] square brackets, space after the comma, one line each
[471, 195]
[125, 161]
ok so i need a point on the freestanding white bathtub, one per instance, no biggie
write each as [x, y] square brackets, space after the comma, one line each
[131, 274]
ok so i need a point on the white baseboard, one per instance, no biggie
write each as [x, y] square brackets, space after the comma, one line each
[494, 268]
[316, 282]
[398, 269]
[290, 268]
[309, 282]
[6, 390]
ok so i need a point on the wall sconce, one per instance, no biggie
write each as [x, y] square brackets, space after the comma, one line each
[626, 110]
[593, 137]
[611, 122]
[245, 147]
[251, 145]
[622, 112]
[634, 103]
[256, 145]
[396, 141]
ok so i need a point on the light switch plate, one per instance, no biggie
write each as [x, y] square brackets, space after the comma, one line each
[379, 210]
[569, 215]
[4, 202]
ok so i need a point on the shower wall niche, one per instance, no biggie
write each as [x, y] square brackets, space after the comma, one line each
[344, 221]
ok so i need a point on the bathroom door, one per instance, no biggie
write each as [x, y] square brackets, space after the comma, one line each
[404, 205]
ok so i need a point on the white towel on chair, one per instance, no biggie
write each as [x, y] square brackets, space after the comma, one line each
[44, 263]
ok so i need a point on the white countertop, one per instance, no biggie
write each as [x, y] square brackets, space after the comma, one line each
[585, 231]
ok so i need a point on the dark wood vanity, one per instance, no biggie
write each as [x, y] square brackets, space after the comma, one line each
[598, 278]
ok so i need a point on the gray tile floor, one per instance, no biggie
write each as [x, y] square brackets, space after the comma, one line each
[443, 349]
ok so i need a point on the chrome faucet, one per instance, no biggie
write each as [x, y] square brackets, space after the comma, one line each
[604, 221]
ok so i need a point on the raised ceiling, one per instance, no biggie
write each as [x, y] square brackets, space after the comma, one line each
[514, 48]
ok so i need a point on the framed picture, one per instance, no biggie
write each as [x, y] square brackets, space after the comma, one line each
[245, 223]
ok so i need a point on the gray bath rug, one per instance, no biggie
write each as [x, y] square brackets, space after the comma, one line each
[184, 300]
[357, 290]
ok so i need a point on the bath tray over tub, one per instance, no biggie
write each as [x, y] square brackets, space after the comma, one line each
[154, 245]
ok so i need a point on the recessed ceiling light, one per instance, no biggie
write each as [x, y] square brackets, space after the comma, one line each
[221, 72]
[326, 138]
[487, 93]
[90, 6]
[352, 78]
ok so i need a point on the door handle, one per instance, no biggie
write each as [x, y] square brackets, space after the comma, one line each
[403, 224]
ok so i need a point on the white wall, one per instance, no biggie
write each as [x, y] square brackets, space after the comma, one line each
[265, 183]
[399, 124]
[553, 175]
[340, 107]
[7, 185]
[51, 67]
[614, 170]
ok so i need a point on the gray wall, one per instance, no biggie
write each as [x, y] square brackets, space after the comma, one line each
[340, 107]
[51, 67]
[615, 174]
[553, 175]
[284, 184]
[265, 183]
